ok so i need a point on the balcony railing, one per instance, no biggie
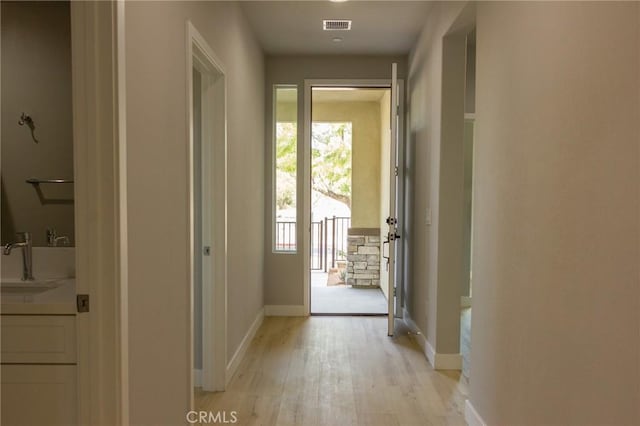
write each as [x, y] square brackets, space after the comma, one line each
[285, 236]
[328, 240]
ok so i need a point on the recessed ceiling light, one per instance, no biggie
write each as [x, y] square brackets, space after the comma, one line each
[337, 39]
[337, 1]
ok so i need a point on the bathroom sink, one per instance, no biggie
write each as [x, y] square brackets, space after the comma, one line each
[42, 295]
[29, 287]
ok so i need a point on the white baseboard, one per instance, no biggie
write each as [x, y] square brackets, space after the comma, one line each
[471, 416]
[417, 334]
[437, 361]
[465, 301]
[446, 361]
[233, 365]
[197, 377]
[284, 311]
[431, 355]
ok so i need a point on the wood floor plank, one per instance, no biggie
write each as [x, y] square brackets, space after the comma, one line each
[330, 371]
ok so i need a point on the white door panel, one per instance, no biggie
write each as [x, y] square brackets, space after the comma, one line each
[392, 219]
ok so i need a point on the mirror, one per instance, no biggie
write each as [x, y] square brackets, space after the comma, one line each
[37, 130]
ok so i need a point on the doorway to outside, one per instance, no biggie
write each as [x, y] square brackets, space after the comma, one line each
[350, 147]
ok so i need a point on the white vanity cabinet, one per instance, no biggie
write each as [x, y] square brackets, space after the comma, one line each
[39, 370]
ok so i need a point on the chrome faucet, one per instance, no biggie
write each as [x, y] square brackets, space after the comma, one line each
[27, 262]
[53, 239]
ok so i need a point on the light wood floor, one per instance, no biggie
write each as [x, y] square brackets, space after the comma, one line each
[337, 371]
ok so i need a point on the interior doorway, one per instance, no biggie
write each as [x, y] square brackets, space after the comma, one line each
[350, 128]
[207, 203]
[466, 292]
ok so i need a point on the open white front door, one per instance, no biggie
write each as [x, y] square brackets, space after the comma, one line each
[393, 234]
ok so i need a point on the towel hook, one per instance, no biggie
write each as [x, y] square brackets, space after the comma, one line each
[26, 119]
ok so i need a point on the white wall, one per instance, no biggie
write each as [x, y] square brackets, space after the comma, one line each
[555, 331]
[157, 138]
[432, 297]
[470, 81]
[465, 288]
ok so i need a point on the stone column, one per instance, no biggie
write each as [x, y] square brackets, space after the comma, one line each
[363, 257]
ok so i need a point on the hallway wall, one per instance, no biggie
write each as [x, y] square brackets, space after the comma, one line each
[431, 299]
[284, 272]
[157, 156]
[555, 330]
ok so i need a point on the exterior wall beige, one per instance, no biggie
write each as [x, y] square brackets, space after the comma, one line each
[284, 272]
[365, 172]
[431, 301]
[36, 79]
[385, 164]
[157, 134]
[556, 244]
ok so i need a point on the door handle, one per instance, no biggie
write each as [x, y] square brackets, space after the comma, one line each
[392, 237]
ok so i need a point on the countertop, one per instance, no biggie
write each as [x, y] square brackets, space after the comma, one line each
[57, 301]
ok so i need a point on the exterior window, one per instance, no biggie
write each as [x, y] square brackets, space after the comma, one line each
[285, 137]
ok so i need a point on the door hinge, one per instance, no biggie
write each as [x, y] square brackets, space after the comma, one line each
[394, 292]
[82, 302]
[395, 169]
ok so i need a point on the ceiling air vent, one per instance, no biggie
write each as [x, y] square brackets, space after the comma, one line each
[336, 24]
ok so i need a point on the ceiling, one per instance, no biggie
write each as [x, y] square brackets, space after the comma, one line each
[295, 27]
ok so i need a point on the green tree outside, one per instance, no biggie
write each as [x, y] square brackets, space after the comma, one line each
[331, 155]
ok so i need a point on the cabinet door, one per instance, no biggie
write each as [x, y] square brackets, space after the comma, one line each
[38, 395]
[41, 339]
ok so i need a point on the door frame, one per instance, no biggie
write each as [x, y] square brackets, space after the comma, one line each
[214, 228]
[306, 164]
[100, 193]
